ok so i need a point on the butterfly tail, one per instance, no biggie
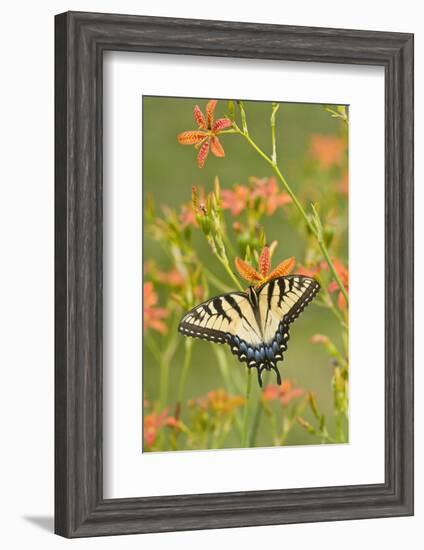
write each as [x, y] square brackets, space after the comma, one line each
[277, 372]
[268, 366]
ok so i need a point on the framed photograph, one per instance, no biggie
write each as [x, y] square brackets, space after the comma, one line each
[234, 274]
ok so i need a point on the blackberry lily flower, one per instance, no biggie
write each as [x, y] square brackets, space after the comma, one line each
[263, 275]
[205, 138]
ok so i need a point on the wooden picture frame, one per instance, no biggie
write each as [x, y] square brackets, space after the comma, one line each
[81, 39]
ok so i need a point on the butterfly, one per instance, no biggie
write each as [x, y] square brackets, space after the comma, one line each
[255, 323]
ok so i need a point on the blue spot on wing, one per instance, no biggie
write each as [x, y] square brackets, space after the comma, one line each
[263, 353]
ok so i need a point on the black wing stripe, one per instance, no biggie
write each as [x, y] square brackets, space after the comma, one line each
[204, 333]
[213, 313]
[230, 300]
[217, 304]
[300, 305]
[282, 288]
[239, 312]
[269, 299]
[207, 309]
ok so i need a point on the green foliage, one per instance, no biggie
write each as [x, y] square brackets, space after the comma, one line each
[196, 225]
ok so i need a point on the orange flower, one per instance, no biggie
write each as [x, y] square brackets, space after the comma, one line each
[154, 422]
[171, 278]
[267, 188]
[219, 401]
[152, 315]
[284, 393]
[343, 273]
[206, 137]
[328, 150]
[262, 276]
[240, 196]
[236, 199]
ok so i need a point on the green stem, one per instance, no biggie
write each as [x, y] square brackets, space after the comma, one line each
[340, 435]
[163, 384]
[188, 344]
[223, 367]
[243, 116]
[213, 279]
[230, 131]
[163, 371]
[275, 107]
[163, 355]
[151, 344]
[230, 273]
[257, 415]
[325, 436]
[300, 208]
[245, 440]
[332, 269]
[229, 383]
[227, 242]
[335, 311]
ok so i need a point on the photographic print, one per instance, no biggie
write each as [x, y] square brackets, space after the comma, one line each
[245, 266]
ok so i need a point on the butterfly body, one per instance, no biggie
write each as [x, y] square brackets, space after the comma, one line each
[255, 323]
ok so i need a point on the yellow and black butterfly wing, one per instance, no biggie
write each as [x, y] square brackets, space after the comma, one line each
[280, 302]
[255, 324]
[226, 319]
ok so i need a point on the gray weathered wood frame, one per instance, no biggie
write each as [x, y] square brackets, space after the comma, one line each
[81, 39]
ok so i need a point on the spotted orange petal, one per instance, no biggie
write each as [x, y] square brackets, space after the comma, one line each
[217, 148]
[191, 137]
[264, 261]
[247, 271]
[210, 108]
[221, 124]
[285, 268]
[203, 154]
[199, 118]
[200, 143]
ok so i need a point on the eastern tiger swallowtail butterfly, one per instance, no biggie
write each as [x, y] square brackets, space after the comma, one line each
[255, 324]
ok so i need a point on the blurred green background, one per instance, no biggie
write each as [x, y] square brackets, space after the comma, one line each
[169, 172]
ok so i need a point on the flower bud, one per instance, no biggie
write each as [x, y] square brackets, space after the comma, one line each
[195, 197]
[231, 109]
[204, 222]
[313, 404]
[329, 233]
[308, 427]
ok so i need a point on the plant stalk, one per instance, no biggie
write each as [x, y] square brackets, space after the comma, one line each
[188, 345]
[300, 208]
[245, 440]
